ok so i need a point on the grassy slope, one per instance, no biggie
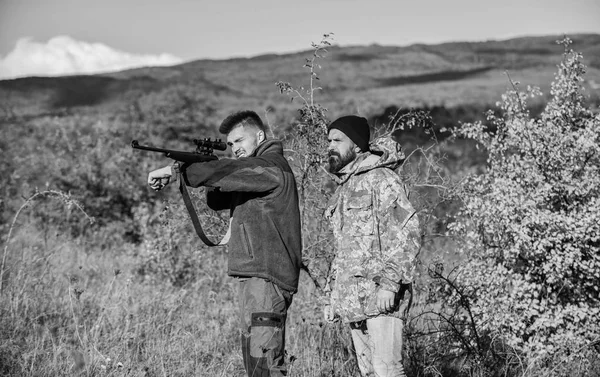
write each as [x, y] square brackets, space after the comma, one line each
[364, 79]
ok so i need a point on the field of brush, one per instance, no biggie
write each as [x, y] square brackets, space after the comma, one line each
[101, 276]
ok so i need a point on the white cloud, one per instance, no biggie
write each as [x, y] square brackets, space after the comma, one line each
[64, 55]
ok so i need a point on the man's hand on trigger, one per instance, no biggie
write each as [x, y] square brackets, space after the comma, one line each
[385, 300]
[159, 178]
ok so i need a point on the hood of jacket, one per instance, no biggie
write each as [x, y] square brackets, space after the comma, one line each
[383, 152]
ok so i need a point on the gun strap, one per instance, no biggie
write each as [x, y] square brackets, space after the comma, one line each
[194, 216]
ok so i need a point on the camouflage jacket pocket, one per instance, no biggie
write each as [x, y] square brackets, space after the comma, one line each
[358, 216]
[367, 296]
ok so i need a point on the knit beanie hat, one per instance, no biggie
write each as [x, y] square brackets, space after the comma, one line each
[356, 128]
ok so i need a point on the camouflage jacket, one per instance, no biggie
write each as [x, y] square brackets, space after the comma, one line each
[376, 233]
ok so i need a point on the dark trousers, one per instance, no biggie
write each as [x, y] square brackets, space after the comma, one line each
[263, 312]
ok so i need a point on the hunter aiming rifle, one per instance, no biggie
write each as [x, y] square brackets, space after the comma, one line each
[203, 153]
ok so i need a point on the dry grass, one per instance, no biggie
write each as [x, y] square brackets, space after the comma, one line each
[69, 308]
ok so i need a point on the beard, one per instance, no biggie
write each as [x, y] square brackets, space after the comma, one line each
[338, 161]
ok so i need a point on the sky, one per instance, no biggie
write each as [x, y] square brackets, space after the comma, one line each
[59, 37]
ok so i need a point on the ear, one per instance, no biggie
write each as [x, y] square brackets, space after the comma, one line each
[357, 149]
[260, 136]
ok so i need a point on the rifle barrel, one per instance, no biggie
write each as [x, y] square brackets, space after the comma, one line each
[180, 156]
[136, 145]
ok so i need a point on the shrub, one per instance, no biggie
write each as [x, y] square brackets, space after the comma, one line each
[530, 225]
[306, 147]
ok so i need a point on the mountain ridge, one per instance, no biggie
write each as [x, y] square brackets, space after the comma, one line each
[360, 78]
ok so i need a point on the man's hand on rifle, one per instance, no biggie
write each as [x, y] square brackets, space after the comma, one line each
[159, 178]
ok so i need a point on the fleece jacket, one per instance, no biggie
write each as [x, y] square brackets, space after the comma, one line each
[260, 192]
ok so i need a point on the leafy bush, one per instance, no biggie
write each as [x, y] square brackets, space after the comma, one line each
[530, 226]
[306, 148]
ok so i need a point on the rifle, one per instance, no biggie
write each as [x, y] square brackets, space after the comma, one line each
[204, 150]
[203, 153]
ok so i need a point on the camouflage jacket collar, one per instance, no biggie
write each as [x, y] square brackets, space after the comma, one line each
[362, 163]
[383, 152]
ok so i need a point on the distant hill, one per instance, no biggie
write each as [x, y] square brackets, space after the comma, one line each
[359, 79]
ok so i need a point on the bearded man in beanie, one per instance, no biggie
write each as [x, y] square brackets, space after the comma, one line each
[377, 239]
[265, 249]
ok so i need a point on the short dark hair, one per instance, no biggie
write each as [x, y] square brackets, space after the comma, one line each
[245, 118]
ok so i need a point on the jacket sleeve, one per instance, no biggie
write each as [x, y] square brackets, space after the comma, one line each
[399, 238]
[249, 174]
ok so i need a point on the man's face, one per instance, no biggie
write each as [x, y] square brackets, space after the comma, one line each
[341, 150]
[243, 140]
